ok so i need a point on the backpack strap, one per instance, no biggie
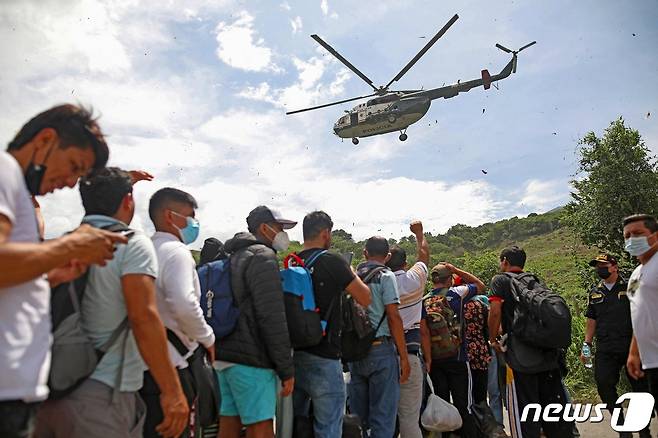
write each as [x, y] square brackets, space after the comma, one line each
[312, 259]
[177, 343]
[114, 336]
[373, 272]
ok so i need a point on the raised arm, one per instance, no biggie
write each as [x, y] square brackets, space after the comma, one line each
[422, 247]
[467, 277]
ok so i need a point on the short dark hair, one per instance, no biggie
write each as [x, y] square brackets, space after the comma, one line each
[377, 246]
[103, 190]
[315, 222]
[514, 255]
[398, 258]
[75, 126]
[163, 197]
[649, 221]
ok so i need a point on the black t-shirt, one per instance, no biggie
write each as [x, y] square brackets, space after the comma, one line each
[501, 290]
[331, 275]
[520, 356]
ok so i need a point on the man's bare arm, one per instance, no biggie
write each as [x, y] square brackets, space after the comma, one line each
[590, 328]
[422, 247]
[23, 262]
[360, 291]
[139, 295]
[495, 317]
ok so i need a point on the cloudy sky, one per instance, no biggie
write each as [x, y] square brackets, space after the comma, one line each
[196, 93]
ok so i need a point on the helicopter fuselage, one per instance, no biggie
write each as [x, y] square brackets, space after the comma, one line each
[388, 113]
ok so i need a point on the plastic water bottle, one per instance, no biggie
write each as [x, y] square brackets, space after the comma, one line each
[587, 353]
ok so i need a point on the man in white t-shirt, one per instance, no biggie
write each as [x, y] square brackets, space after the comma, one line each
[411, 283]
[641, 241]
[51, 151]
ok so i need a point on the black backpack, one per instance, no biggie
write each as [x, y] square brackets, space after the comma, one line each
[358, 333]
[205, 380]
[73, 356]
[541, 318]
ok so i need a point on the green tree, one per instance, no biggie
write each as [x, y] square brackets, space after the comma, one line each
[616, 177]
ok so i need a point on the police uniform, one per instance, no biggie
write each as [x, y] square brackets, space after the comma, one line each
[610, 309]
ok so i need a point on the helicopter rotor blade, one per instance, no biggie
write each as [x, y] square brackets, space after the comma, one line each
[527, 45]
[343, 60]
[330, 104]
[503, 48]
[431, 42]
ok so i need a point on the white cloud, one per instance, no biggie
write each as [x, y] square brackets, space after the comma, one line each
[296, 24]
[541, 196]
[324, 6]
[45, 37]
[240, 47]
[307, 90]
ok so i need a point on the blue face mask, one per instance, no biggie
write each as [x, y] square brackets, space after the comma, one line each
[636, 246]
[191, 231]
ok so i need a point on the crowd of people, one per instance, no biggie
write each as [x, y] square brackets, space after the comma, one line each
[138, 298]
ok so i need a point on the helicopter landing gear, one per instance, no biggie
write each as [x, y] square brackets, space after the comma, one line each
[403, 135]
[355, 140]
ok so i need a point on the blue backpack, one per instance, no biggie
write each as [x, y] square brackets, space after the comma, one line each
[217, 304]
[305, 325]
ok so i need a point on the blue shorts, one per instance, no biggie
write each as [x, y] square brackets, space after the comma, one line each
[248, 392]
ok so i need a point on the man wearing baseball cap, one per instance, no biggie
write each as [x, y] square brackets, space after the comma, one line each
[258, 350]
[609, 320]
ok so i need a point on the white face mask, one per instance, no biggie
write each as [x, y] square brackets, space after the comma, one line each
[636, 246]
[281, 241]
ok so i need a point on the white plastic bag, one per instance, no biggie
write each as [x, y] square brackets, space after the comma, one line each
[439, 415]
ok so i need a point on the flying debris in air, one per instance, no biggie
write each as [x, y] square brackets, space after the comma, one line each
[482, 110]
[648, 115]
[484, 171]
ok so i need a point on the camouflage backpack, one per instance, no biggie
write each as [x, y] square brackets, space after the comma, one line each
[444, 326]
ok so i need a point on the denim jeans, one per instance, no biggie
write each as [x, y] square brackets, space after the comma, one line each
[374, 389]
[319, 383]
[495, 400]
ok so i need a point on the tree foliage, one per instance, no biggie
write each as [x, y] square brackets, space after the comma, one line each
[616, 177]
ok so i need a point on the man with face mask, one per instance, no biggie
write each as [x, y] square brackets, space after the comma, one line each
[641, 241]
[177, 294]
[258, 350]
[50, 151]
[609, 320]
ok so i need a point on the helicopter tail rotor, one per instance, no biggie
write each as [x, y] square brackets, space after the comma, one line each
[514, 53]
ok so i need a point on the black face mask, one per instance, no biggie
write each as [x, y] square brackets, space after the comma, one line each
[603, 273]
[34, 174]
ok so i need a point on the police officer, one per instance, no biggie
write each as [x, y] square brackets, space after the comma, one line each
[609, 319]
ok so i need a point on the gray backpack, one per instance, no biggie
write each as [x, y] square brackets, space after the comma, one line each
[73, 356]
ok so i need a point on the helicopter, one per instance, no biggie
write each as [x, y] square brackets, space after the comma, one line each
[392, 111]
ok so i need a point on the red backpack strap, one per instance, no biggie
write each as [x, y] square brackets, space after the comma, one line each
[297, 260]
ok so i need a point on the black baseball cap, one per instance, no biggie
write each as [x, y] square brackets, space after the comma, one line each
[266, 215]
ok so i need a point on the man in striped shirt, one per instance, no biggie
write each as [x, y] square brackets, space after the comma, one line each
[411, 283]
